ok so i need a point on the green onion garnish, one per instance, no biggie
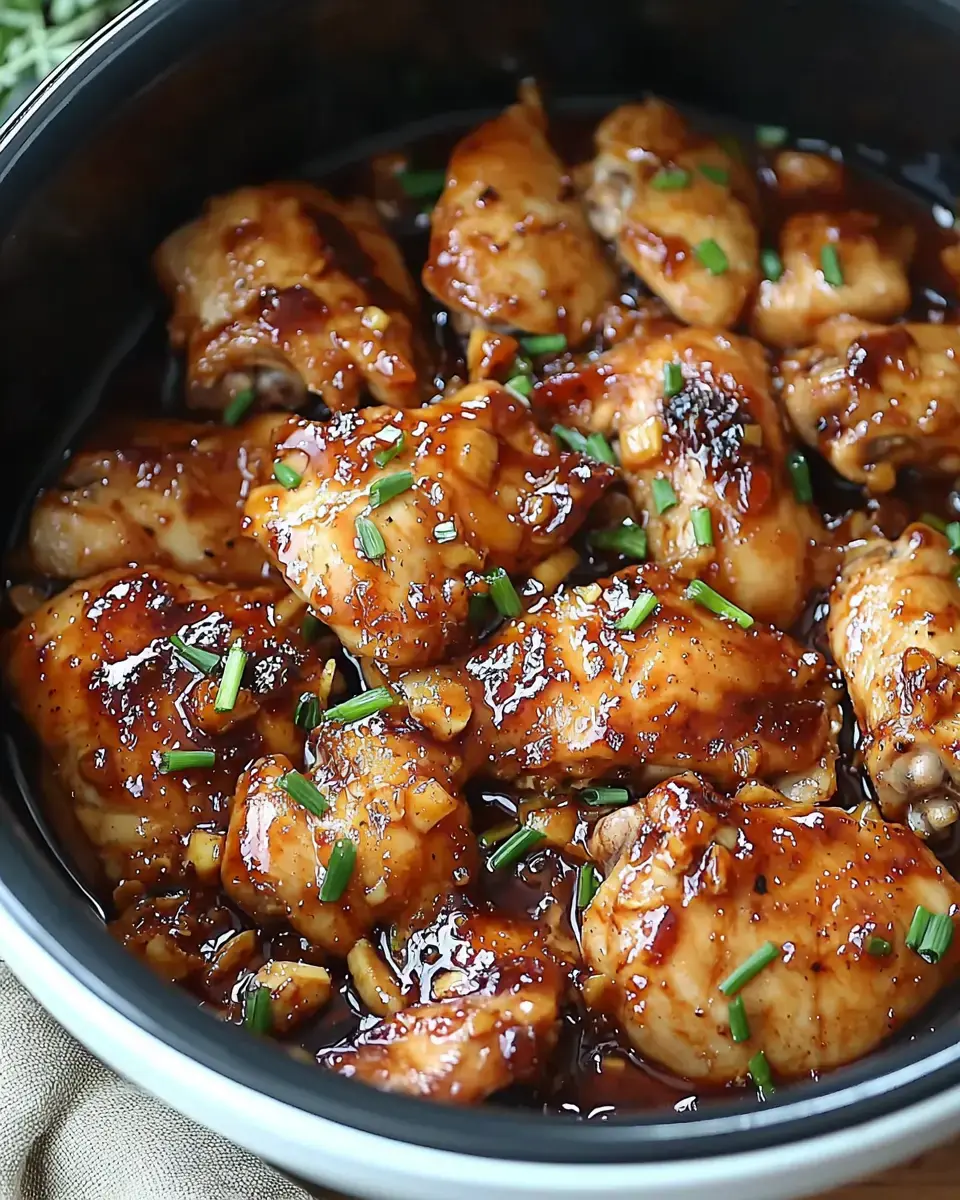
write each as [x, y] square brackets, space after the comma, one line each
[879, 947]
[672, 379]
[547, 343]
[285, 475]
[522, 364]
[664, 497]
[641, 608]
[771, 136]
[514, 848]
[504, 594]
[615, 797]
[703, 594]
[496, 834]
[936, 938]
[702, 520]
[771, 264]
[715, 174]
[759, 1071]
[670, 179]
[186, 760]
[918, 927]
[588, 884]
[739, 1025]
[382, 457]
[371, 539]
[307, 713]
[365, 705]
[230, 681]
[953, 533]
[258, 1010]
[419, 185]
[479, 608]
[520, 386]
[311, 628]
[384, 489]
[204, 660]
[298, 787]
[239, 406]
[339, 869]
[759, 959]
[571, 438]
[830, 265]
[446, 531]
[628, 539]
[711, 255]
[599, 448]
[935, 522]
[799, 470]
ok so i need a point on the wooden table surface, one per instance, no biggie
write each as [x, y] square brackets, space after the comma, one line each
[935, 1176]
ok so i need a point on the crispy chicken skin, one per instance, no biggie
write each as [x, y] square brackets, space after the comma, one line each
[169, 493]
[873, 262]
[478, 460]
[657, 229]
[681, 909]
[96, 677]
[719, 442]
[285, 289]
[510, 245]
[561, 693]
[875, 398]
[894, 629]
[394, 792]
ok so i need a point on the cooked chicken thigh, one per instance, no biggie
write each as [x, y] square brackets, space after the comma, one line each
[284, 289]
[833, 263]
[715, 438]
[702, 883]
[875, 398]
[676, 206]
[471, 484]
[894, 629]
[509, 243]
[165, 492]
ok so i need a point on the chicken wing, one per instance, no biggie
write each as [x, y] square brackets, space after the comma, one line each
[894, 629]
[833, 263]
[283, 289]
[169, 493]
[702, 883]
[509, 243]
[875, 398]
[673, 203]
[714, 437]
[471, 483]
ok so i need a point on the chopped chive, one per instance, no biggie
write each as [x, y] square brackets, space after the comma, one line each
[339, 869]
[615, 797]
[703, 594]
[771, 264]
[702, 520]
[384, 489]
[504, 594]
[711, 255]
[311, 628]
[382, 457]
[547, 343]
[307, 713]
[672, 379]
[739, 1025]
[365, 705]
[830, 265]
[419, 185]
[514, 848]
[759, 959]
[446, 531]
[588, 884]
[799, 470]
[285, 475]
[670, 179]
[497, 833]
[664, 497]
[230, 680]
[628, 539]
[520, 386]
[641, 608]
[479, 608]
[239, 406]
[258, 1010]
[204, 660]
[573, 439]
[298, 787]
[759, 1071]
[371, 539]
[599, 448]
[186, 760]
[935, 522]
[953, 533]
[771, 136]
[714, 174]
[936, 938]
[522, 364]
[879, 947]
[918, 927]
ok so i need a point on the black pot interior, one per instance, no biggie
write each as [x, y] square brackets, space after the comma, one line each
[193, 98]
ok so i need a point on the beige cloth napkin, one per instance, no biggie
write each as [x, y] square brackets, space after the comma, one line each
[70, 1129]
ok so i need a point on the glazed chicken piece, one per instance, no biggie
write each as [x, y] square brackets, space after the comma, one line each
[833, 263]
[95, 674]
[283, 289]
[894, 629]
[509, 244]
[876, 398]
[165, 492]
[479, 487]
[701, 883]
[799, 174]
[718, 442]
[393, 792]
[676, 206]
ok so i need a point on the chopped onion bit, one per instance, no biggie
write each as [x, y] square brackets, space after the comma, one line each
[305, 792]
[239, 406]
[759, 1070]
[503, 593]
[830, 265]
[799, 470]
[937, 938]
[371, 539]
[204, 660]
[711, 254]
[307, 713]
[286, 476]
[615, 797]
[365, 705]
[382, 457]
[879, 947]
[641, 608]
[702, 520]
[628, 539]
[739, 1025]
[388, 486]
[670, 179]
[186, 760]
[672, 379]
[340, 866]
[739, 978]
[547, 343]
[703, 594]
[497, 833]
[514, 848]
[771, 264]
[588, 884]
[231, 679]
[258, 1009]
[664, 497]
